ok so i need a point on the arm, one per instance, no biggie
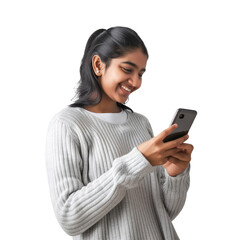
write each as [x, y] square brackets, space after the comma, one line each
[78, 207]
[174, 174]
[174, 191]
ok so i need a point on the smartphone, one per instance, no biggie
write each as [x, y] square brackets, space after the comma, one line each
[184, 118]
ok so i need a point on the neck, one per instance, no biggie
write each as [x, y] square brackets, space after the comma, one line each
[97, 109]
[104, 107]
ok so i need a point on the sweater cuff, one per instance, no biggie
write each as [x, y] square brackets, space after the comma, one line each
[185, 172]
[131, 168]
[176, 184]
[138, 164]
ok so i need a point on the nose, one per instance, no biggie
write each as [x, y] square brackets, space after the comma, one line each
[135, 81]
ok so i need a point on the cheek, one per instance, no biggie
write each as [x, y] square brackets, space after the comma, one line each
[112, 80]
[140, 84]
[109, 84]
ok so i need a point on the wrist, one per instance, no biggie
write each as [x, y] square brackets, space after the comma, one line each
[174, 174]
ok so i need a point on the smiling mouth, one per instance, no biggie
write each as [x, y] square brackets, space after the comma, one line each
[125, 90]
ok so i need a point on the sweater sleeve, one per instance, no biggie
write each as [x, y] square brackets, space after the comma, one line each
[174, 191]
[78, 207]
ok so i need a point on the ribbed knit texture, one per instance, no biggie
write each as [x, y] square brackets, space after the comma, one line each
[102, 187]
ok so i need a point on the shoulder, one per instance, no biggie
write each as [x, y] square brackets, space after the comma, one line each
[69, 121]
[69, 116]
[140, 117]
[142, 121]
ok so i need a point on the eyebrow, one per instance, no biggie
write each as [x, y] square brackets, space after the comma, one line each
[134, 65]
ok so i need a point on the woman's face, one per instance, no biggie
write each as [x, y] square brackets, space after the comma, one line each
[123, 76]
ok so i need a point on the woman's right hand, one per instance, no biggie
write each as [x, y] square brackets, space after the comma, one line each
[156, 151]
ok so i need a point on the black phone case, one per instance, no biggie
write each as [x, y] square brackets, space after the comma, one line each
[184, 118]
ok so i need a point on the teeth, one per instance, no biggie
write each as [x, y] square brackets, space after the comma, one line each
[127, 89]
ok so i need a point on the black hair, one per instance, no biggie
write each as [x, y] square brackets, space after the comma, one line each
[107, 44]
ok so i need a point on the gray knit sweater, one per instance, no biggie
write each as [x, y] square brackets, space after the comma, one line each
[102, 187]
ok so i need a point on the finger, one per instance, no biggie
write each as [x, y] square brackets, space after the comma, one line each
[175, 143]
[182, 156]
[176, 161]
[166, 132]
[170, 152]
[173, 160]
[186, 147]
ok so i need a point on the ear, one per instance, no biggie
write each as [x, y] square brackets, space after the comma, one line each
[97, 65]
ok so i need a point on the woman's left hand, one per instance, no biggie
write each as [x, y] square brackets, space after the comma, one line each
[178, 162]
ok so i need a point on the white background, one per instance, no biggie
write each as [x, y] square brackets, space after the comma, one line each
[190, 44]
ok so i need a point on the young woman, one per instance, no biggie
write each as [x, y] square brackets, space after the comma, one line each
[109, 177]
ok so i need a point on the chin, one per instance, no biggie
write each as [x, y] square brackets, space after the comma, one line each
[121, 100]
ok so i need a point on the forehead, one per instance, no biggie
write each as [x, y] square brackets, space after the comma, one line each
[137, 57]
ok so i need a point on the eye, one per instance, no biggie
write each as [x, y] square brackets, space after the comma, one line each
[140, 74]
[127, 70]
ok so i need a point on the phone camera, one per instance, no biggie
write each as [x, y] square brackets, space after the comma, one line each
[181, 116]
